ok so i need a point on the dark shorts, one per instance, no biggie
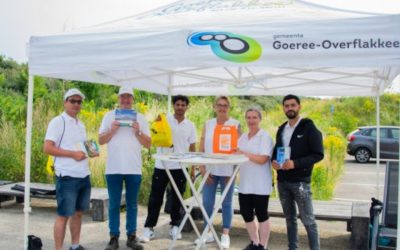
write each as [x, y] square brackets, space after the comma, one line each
[253, 203]
[73, 194]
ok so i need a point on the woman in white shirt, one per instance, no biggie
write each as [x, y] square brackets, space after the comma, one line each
[255, 180]
[219, 175]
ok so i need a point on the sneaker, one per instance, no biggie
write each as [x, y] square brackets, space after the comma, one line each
[113, 244]
[173, 232]
[225, 241]
[133, 243]
[209, 239]
[148, 234]
[79, 248]
[261, 247]
[251, 246]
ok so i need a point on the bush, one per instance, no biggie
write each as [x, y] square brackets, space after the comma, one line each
[327, 172]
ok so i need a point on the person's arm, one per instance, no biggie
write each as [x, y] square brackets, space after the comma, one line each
[278, 141]
[264, 150]
[50, 148]
[106, 136]
[202, 138]
[259, 159]
[202, 168]
[143, 139]
[239, 130]
[315, 143]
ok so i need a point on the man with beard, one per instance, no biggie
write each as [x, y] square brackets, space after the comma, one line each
[184, 140]
[294, 175]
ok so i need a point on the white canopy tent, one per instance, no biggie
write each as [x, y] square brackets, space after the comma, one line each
[226, 47]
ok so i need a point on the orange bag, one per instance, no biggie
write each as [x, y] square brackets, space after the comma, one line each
[225, 139]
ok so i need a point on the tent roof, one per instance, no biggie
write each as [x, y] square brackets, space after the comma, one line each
[153, 51]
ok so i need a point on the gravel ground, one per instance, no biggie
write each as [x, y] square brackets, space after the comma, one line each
[94, 235]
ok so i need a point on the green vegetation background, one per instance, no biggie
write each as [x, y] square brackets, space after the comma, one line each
[334, 117]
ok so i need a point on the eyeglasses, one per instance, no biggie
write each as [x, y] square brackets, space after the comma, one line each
[222, 106]
[73, 101]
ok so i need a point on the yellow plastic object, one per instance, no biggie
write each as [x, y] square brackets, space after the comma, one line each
[160, 131]
[50, 165]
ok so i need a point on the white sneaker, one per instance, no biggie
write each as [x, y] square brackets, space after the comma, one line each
[173, 232]
[148, 234]
[225, 241]
[208, 239]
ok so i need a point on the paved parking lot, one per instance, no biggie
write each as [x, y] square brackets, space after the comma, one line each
[359, 181]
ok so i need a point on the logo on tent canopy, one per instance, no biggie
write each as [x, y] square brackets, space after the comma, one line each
[228, 46]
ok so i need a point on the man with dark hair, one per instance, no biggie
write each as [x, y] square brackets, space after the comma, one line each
[288, 97]
[184, 140]
[294, 175]
[182, 98]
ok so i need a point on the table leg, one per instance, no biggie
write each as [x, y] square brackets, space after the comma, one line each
[187, 212]
[221, 199]
[196, 194]
[191, 206]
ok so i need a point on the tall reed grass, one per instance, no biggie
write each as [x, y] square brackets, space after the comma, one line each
[12, 148]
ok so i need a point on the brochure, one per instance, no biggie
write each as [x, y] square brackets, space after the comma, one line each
[89, 147]
[125, 117]
[282, 155]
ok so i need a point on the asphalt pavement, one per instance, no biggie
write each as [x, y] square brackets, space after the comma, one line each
[357, 183]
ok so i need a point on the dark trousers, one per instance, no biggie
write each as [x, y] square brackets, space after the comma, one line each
[290, 194]
[160, 181]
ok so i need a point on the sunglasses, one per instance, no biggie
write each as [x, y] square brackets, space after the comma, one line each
[73, 101]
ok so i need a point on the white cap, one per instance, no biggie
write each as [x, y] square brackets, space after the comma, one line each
[72, 92]
[125, 90]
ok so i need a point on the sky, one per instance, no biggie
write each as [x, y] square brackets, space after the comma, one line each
[24, 18]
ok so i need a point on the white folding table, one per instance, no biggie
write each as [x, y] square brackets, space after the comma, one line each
[187, 160]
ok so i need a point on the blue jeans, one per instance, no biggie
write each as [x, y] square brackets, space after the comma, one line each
[114, 186]
[209, 192]
[72, 194]
[290, 194]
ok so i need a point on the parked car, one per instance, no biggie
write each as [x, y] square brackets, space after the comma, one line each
[362, 143]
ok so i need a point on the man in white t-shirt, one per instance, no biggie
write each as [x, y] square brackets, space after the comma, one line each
[124, 164]
[71, 167]
[184, 140]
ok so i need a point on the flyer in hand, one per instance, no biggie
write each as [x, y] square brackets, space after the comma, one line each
[90, 148]
[282, 155]
[125, 117]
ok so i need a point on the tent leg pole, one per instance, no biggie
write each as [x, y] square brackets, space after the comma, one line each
[27, 208]
[398, 204]
[378, 143]
[169, 103]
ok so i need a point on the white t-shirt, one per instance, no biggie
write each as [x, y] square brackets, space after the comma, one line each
[256, 178]
[288, 132]
[124, 151]
[219, 170]
[183, 134]
[74, 133]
